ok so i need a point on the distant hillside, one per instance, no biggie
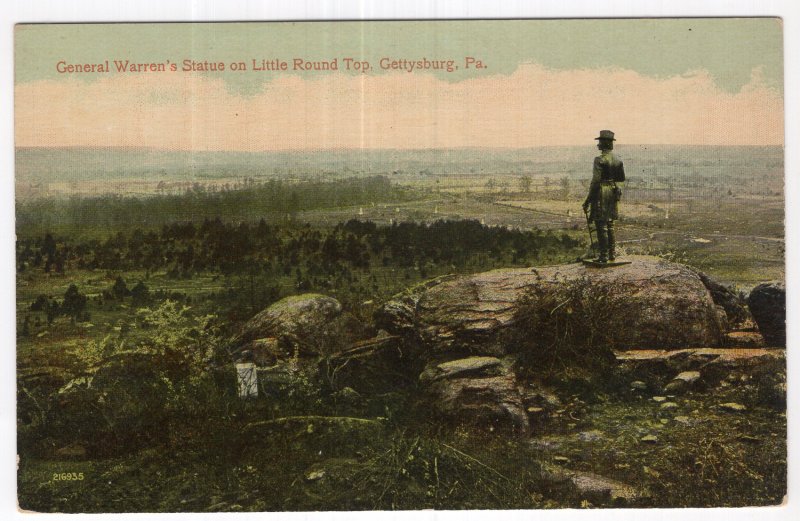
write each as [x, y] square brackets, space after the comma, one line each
[80, 215]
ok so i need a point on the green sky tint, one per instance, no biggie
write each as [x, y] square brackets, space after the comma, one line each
[728, 48]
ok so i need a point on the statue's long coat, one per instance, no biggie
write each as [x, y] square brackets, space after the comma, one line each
[605, 190]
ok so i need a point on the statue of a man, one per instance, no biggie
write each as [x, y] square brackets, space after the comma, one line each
[605, 191]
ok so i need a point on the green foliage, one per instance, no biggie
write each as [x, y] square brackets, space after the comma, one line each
[304, 465]
[125, 396]
[92, 353]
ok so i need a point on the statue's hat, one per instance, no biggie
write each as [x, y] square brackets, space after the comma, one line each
[606, 134]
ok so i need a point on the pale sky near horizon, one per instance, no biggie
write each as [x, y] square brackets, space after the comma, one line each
[546, 82]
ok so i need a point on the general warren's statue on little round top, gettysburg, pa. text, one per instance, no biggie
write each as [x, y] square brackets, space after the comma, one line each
[602, 203]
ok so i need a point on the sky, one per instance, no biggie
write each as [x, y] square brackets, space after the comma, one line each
[545, 82]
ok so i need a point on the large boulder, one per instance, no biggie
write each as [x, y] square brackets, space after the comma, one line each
[481, 390]
[656, 303]
[767, 303]
[735, 307]
[294, 322]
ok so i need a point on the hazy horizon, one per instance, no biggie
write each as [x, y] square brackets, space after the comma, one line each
[98, 168]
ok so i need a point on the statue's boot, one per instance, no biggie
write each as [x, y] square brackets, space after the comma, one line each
[602, 242]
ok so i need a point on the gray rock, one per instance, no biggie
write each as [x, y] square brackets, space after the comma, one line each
[476, 389]
[669, 405]
[472, 366]
[732, 407]
[596, 486]
[676, 386]
[763, 365]
[296, 321]
[744, 339]
[267, 351]
[315, 475]
[650, 438]
[734, 307]
[639, 385]
[589, 436]
[593, 487]
[541, 398]
[689, 377]
[767, 303]
[661, 303]
[74, 450]
[546, 444]
[682, 382]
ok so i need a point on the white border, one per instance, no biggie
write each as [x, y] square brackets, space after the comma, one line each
[206, 10]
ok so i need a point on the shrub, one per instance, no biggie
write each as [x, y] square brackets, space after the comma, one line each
[127, 396]
[570, 328]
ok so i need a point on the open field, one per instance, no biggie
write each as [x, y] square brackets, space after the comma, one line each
[738, 240]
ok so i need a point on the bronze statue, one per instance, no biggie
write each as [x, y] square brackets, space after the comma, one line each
[605, 191]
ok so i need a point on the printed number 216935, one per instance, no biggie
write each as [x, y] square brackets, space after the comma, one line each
[68, 476]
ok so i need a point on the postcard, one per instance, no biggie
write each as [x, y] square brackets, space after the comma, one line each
[400, 265]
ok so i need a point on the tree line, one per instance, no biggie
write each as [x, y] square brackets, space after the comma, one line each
[86, 216]
[214, 245]
[355, 261]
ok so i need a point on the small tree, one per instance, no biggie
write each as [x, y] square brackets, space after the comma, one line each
[74, 303]
[40, 304]
[120, 289]
[565, 187]
[525, 184]
[140, 294]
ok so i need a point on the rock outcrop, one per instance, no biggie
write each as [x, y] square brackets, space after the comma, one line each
[291, 323]
[590, 486]
[479, 389]
[755, 376]
[767, 303]
[735, 307]
[657, 304]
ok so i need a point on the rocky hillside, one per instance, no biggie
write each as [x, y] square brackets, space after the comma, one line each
[642, 372]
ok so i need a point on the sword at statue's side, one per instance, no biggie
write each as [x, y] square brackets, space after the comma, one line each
[589, 228]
